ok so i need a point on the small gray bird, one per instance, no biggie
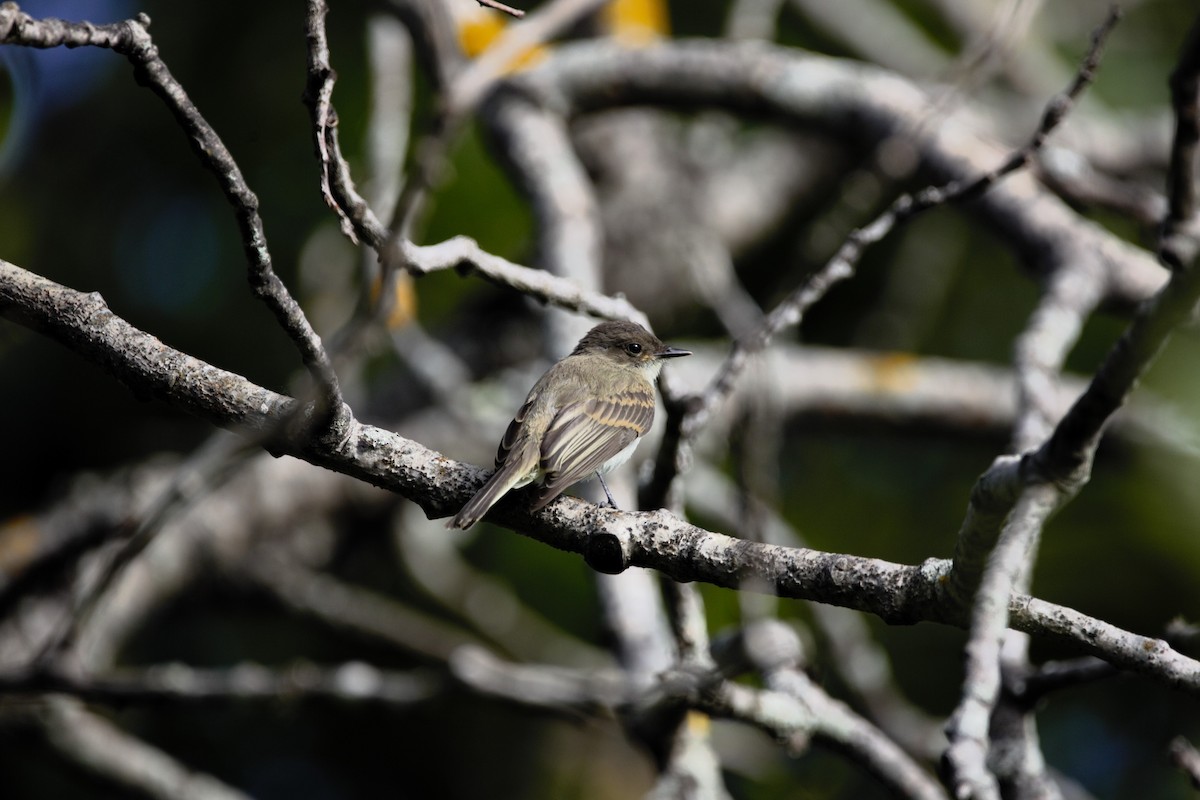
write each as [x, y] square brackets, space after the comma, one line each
[585, 415]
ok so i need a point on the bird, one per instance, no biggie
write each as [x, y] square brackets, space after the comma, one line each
[585, 415]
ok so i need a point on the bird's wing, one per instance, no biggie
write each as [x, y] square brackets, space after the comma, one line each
[586, 434]
[516, 464]
[513, 432]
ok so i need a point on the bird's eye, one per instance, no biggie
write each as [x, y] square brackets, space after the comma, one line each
[633, 348]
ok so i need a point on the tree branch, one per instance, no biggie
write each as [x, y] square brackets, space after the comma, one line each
[108, 752]
[609, 539]
[353, 682]
[132, 40]
[1181, 228]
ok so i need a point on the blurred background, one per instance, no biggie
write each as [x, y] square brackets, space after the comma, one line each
[100, 191]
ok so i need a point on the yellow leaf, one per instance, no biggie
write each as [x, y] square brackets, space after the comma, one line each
[637, 22]
[20, 539]
[404, 301]
[699, 722]
[477, 32]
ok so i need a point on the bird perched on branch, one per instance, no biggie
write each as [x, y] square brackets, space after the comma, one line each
[585, 415]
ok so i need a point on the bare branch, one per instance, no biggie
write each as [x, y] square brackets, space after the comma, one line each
[132, 40]
[611, 540]
[1181, 228]
[353, 682]
[462, 253]
[968, 727]
[318, 96]
[543, 25]
[1054, 676]
[663, 692]
[794, 709]
[1070, 295]
[1071, 174]
[1049, 477]
[513, 12]
[541, 686]
[463, 94]
[106, 751]
[789, 312]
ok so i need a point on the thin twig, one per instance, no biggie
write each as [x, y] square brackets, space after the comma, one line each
[515, 12]
[318, 97]
[103, 749]
[464, 254]
[1181, 228]
[1054, 676]
[551, 19]
[837, 724]
[462, 96]
[460, 252]
[354, 682]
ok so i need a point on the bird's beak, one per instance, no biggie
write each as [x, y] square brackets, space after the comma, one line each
[673, 352]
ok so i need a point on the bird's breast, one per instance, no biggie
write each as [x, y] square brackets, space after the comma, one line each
[621, 457]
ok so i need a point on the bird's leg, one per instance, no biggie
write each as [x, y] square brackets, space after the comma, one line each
[607, 493]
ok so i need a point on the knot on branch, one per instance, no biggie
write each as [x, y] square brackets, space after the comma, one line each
[996, 490]
[136, 39]
[1066, 468]
[333, 427]
[609, 552]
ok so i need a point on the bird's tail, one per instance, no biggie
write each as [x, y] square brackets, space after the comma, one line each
[511, 475]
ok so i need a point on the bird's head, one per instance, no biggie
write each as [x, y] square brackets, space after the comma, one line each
[628, 344]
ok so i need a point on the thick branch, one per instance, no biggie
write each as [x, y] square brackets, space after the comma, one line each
[610, 539]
